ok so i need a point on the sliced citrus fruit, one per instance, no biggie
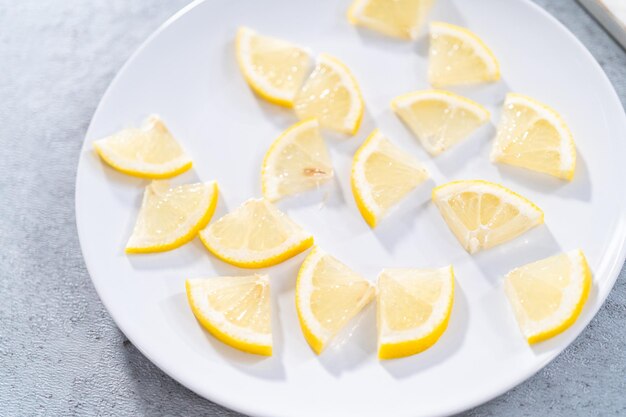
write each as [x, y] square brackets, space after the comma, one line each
[398, 18]
[148, 152]
[414, 307]
[297, 161]
[532, 135]
[236, 310]
[255, 235]
[439, 119]
[482, 214]
[382, 175]
[275, 69]
[328, 296]
[458, 56]
[548, 295]
[171, 216]
[332, 96]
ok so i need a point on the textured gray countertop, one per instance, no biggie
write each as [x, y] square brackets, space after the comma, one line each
[60, 352]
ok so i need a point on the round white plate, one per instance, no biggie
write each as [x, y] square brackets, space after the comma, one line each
[187, 73]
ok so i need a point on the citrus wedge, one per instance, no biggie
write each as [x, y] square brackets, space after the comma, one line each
[382, 175]
[275, 69]
[297, 161]
[332, 96]
[171, 216]
[328, 296]
[458, 56]
[236, 310]
[414, 307]
[255, 235]
[532, 135]
[397, 18]
[148, 152]
[548, 295]
[482, 214]
[439, 119]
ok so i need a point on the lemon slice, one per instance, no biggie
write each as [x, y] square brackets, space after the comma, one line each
[255, 235]
[236, 310]
[532, 135]
[297, 161]
[458, 56]
[548, 295]
[148, 152]
[482, 214]
[171, 216]
[332, 96]
[439, 119]
[414, 307]
[328, 296]
[382, 175]
[275, 69]
[398, 18]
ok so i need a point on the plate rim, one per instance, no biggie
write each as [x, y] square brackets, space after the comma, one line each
[209, 394]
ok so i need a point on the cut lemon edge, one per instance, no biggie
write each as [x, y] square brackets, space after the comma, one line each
[262, 348]
[401, 105]
[305, 315]
[530, 210]
[187, 237]
[370, 211]
[171, 169]
[478, 46]
[269, 185]
[269, 93]
[586, 277]
[408, 347]
[568, 147]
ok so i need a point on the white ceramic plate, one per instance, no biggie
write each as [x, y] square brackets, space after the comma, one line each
[187, 73]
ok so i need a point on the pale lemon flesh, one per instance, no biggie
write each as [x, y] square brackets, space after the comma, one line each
[398, 18]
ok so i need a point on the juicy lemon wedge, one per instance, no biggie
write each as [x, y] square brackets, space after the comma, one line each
[275, 69]
[297, 161]
[458, 56]
[397, 18]
[534, 136]
[439, 119]
[171, 216]
[328, 296]
[414, 307]
[148, 152]
[382, 175]
[548, 295]
[482, 214]
[255, 235]
[332, 96]
[236, 310]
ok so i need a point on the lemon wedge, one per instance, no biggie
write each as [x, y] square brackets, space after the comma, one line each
[275, 69]
[328, 296]
[439, 119]
[171, 216]
[458, 56]
[255, 235]
[482, 214]
[148, 152]
[548, 295]
[332, 96]
[236, 310]
[414, 307]
[297, 161]
[382, 175]
[397, 18]
[532, 135]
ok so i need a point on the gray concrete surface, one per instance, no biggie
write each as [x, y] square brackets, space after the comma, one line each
[60, 352]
